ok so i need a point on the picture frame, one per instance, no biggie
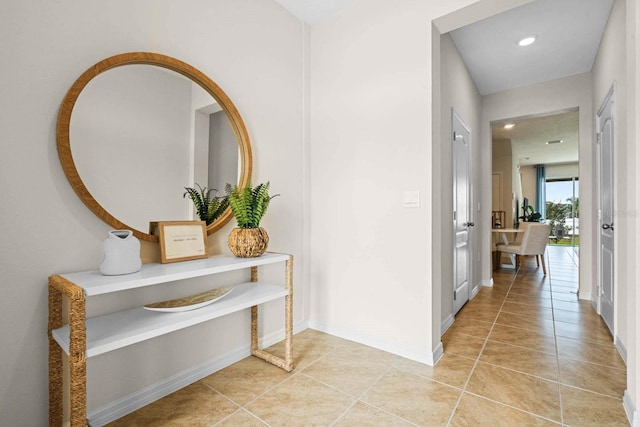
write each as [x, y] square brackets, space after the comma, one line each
[182, 240]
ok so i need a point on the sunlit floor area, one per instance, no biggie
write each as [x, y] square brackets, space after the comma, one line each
[526, 352]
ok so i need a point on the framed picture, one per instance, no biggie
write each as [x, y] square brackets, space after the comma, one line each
[182, 240]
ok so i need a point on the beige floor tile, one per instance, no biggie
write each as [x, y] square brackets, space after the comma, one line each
[588, 352]
[474, 411]
[302, 399]
[245, 380]
[413, 398]
[487, 302]
[521, 359]
[475, 313]
[525, 392]
[462, 344]
[598, 334]
[580, 306]
[531, 290]
[533, 340]
[308, 346]
[450, 369]
[473, 327]
[352, 372]
[544, 326]
[578, 318]
[363, 415]
[195, 405]
[527, 310]
[568, 286]
[539, 284]
[241, 419]
[530, 300]
[588, 376]
[562, 296]
[586, 409]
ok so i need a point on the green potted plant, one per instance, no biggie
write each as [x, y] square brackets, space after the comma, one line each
[248, 204]
[208, 207]
[529, 214]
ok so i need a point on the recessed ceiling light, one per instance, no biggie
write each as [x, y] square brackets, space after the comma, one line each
[527, 41]
[509, 126]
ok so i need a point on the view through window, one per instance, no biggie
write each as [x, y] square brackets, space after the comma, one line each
[563, 211]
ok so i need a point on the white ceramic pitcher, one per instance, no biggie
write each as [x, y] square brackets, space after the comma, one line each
[121, 253]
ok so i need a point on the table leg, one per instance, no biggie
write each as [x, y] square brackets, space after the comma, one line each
[59, 286]
[285, 363]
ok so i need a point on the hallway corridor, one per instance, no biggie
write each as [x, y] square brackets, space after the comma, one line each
[539, 349]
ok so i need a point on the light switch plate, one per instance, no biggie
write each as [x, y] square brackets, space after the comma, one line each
[411, 199]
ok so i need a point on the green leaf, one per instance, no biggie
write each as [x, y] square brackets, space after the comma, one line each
[249, 204]
[207, 208]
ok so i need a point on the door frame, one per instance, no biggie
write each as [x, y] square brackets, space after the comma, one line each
[611, 96]
[470, 286]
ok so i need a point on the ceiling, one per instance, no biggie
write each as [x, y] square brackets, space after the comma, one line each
[568, 36]
[313, 11]
[529, 138]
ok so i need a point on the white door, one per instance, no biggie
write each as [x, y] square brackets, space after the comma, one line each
[605, 140]
[461, 144]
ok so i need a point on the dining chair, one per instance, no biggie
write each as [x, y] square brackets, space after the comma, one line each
[534, 243]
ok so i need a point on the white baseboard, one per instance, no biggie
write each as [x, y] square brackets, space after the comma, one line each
[426, 357]
[584, 295]
[621, 349]
[475, 290]
[446, 324]
[136, 400]
[487, 283]
[632, 413]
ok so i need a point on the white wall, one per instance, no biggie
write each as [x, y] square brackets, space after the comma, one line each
[632, 394]
[371, 140]
[619, 46]
[555, 95]
[528, 180]
[502, 163]
[458, 91]
[255, 51]
[607, 72]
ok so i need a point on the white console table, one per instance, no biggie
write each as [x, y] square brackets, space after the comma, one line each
[83, 338]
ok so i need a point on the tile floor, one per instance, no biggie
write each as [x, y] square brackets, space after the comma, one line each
[523, 353]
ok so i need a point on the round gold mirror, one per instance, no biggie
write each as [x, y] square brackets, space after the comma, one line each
[132, 139]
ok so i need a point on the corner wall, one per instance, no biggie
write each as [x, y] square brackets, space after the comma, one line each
[371, 140]
[607, 71]
[459, 93]
[617, 61]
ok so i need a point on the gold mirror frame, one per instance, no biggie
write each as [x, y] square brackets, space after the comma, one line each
[64, 120]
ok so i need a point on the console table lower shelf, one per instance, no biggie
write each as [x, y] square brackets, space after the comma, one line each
[83, 338]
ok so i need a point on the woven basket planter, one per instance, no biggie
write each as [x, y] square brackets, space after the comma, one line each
[248, 242]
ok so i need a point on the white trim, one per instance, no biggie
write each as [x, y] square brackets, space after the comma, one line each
[585, 296]
[456, 117]
[475, 290]
[446, 324]
[136, 400]
[487, 283]
[632, 414]
[611, 96]
[621, 349]
[418, 355]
